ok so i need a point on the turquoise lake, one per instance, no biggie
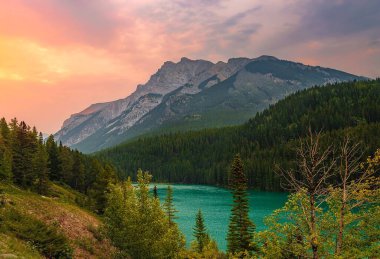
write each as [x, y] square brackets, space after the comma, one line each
[215, 204]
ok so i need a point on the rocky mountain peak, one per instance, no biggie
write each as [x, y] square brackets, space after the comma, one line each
[187, 87]
[266, 58]
[173, 75]
[237, 61]
[185, 59]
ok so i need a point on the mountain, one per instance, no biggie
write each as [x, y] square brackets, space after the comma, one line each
[267, 140]
[193, 94]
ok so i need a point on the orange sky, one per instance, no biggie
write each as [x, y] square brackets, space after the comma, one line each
[57, 57]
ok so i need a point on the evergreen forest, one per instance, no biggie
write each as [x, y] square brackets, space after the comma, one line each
[321, 145]
[265, 142]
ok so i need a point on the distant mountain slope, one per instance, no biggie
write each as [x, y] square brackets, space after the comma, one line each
[203, 157]
[193, 94]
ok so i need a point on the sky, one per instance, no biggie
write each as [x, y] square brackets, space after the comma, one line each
[59, 56]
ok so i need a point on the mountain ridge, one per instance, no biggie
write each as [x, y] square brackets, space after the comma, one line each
[267, 141]
[197, 89]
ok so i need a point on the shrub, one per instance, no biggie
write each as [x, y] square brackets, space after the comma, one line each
[46, 239]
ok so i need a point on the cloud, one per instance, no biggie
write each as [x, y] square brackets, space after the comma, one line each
[237, 18]
[327, 18]
[68, 45]
[62, 22]
[24, 60]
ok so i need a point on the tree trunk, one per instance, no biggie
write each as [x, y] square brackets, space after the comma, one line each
[339, 239]
[314, 241]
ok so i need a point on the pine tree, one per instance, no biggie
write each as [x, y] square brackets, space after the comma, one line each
[241, 228]
[78, 182]
[5, 132]
[41, 168]
[100, 188]
[5, 153]
[200, 232]
[67, 162]
[5, 162]
[24, 147]
[136, 223]
[54, 162]
[169, 206]
[155, 194]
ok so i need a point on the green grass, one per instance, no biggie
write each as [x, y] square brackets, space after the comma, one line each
[45, 238]
[12, 246]
[58, 214]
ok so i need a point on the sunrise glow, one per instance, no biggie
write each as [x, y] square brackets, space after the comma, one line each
[66, 55]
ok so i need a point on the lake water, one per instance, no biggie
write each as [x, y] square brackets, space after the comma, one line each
[215, 204]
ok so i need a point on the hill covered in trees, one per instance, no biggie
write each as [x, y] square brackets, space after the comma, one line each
[47, 190]
[267, 140]
[31, 163]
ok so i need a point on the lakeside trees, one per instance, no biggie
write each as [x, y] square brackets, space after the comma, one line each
[169, 206]
[202, 157]
[315, 166]
[136, 223]
[334, 209]
[240, 228]
[322, 219]
[310, 225]
[202, 238]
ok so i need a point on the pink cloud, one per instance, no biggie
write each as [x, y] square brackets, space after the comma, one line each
[65, 55]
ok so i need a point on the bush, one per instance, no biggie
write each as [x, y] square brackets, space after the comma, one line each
[97, 232]
[46, 239]
[86, 244]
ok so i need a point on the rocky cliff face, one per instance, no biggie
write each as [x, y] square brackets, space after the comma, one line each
[193, 94]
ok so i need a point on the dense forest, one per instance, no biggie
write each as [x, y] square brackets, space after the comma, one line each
[264, 142]
[31, 162]
[319, 220]
[326, 169]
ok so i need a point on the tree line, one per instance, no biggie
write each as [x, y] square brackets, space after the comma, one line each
[321, 219]
[333, 209]
[268, 139]
[31, 162]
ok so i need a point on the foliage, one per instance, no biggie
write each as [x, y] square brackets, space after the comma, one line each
[11, 245]
[155, 193]
[31, 163]
[136, 223]
[210, 251]
[60, 212]
[202, 238]
[100, 187]
[201, 157]
[240, 228]
[290, 232]
[203, 246]
[169, 206]
[45, 238]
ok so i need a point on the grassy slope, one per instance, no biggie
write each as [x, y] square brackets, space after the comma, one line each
[79, 225]
[11, 246]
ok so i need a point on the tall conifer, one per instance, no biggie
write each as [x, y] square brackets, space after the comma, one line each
[5, 161]
[169, 206]
[200, 232]
[41, 167]
[241, 228]
[155, 194]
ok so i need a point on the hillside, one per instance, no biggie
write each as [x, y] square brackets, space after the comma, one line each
[58, 214]
[193, 94]
[267, 139]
